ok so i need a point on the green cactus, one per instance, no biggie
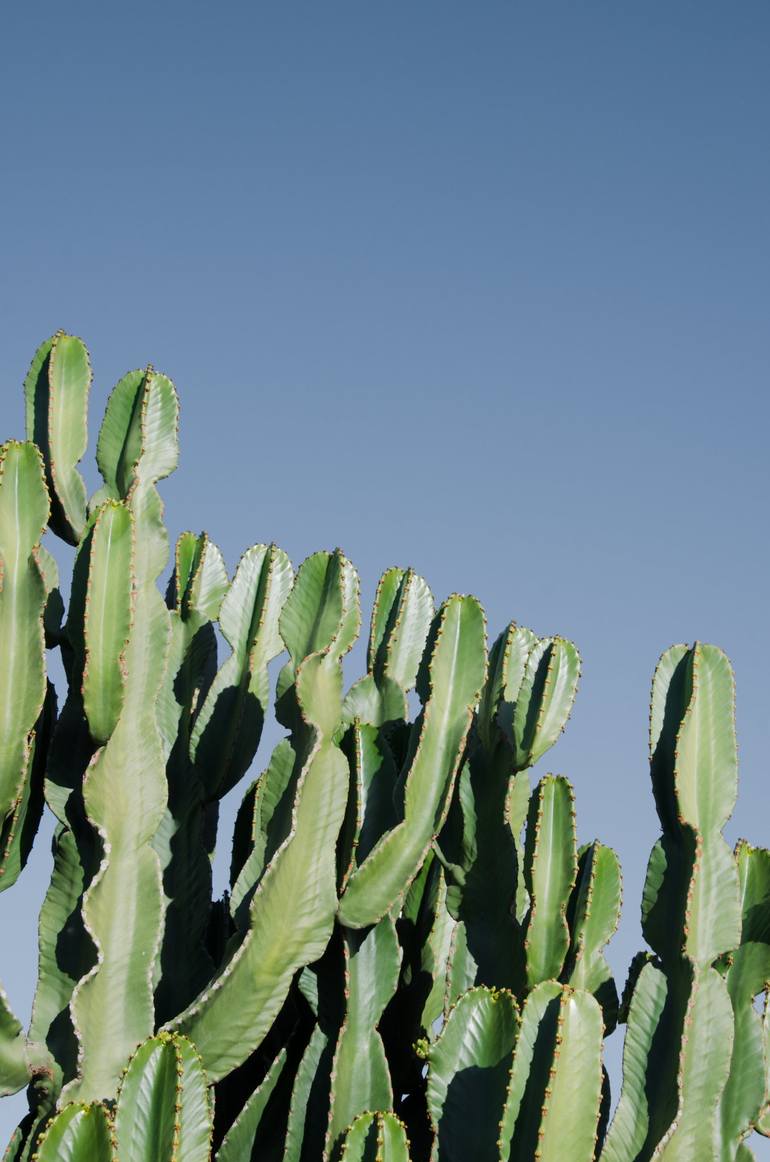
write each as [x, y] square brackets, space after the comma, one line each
[555, 1089]
[410, 961]
[124, 789]
[694, 1078]
[449, 685]
[23, 593]
[183, 839]
[469, 1065]
[360, 1074]
[163, 1111]
[56, 395]
[240, 1141]
[511, 937]
[162, 1114]
[296, 896]
[80, 1133]
[378, 1137]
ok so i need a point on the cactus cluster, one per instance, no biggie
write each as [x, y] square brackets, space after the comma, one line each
[410, 960]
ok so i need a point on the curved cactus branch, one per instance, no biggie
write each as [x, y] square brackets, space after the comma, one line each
[451, 680]
[468, 1069]
[56, 392]
[124, 790]
[80, 1133]
[164, 1112]
[23, 596]
[379, 1136]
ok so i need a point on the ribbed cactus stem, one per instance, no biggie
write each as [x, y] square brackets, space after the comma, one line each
[124, 793]
[23, 594]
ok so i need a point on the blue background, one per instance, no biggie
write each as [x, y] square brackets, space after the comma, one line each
[480, 288]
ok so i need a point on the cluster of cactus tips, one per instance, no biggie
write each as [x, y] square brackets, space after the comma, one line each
[410, 960]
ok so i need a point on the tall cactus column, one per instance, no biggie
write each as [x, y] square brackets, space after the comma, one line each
[124, 789]
[693, 1073]
[23, 516]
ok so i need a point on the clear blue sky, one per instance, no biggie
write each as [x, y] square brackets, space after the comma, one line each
[481, 288]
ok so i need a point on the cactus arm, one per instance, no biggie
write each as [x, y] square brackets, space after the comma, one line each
[164, 1110]
[64, 953]
[322, 610]
[555, 1087]
[378, 1137]
[198, 584]
[107, 618]
[119, 445]
[550, 866]
[18, 833]
[263, 808]
[594, 914]
[16, 1053]
[36, 393]
[374, 703]
[124, 793]
[704, 1064]
[706, 780]
[138, 436]
[296, 899]
[571, 1109]
[507, 659]
[516, 808]
[630, 1125]
[468, 1069]
[239, 1142]
[763, 1121]
[541, 678]
[483, 851]
[305, 1133]
[754, 879]
[437, 956]
[292, 908]
[401, 619]
[521, 1116]
[23, 595]
[743, 1097]
[453, 677]
[370, 811]
[80, 1133]
[694, 769]
[54, 608]
[360, 1073]
[56, 391]
[227, 730]
[706, 767]
[437, 978]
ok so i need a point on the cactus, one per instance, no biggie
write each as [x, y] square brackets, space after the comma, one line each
[469, 1065]
[162, 1113]
[694, 1077]
[378, 1137]
[449, 684]
[80, 1133]
[24, 509]
[410, 961]
[56, 395]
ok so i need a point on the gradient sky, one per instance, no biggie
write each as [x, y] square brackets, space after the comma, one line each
[480, 288]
